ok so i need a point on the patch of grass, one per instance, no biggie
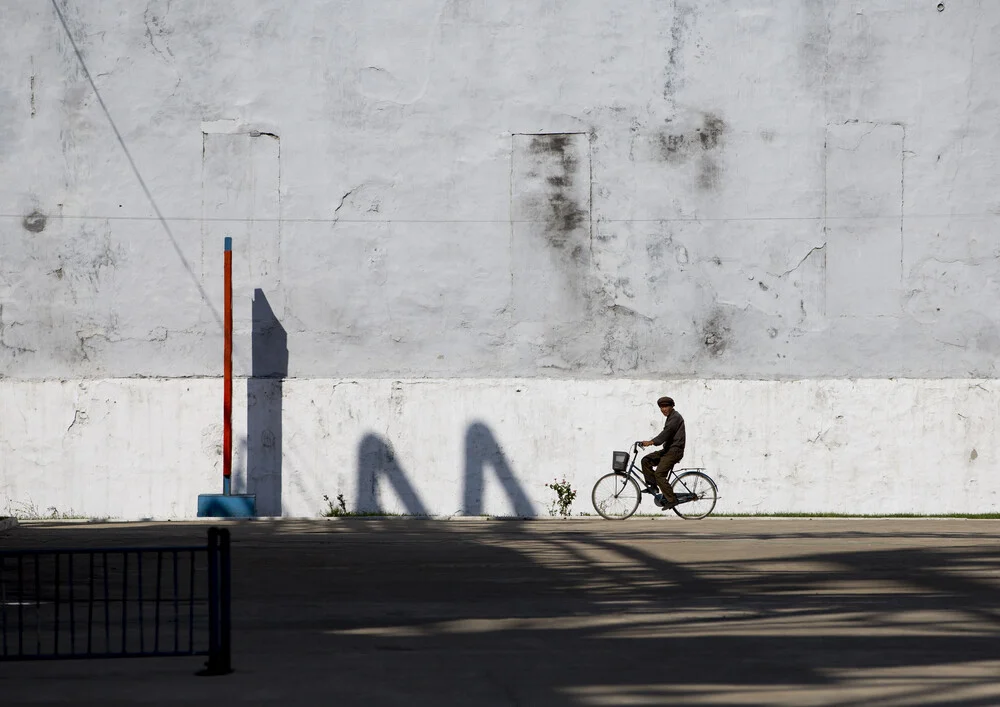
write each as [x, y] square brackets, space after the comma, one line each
[339, 510]
[334, 511]
[29, 511]
[969, 516]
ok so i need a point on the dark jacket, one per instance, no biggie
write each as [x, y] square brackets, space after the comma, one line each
[672, 437]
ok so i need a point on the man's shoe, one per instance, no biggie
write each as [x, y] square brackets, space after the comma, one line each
[668, 504]
[651, 489]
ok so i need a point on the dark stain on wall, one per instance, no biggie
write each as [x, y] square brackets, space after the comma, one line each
[35, 222]
[672, 148]
[711, 131]
[705, 141]
[563, 214]
[709, 174]
[716, 334]
[680, 29]
[710, 136]
[655, 246]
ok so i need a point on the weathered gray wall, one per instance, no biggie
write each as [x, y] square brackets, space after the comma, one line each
[434, 202]
[725, 188]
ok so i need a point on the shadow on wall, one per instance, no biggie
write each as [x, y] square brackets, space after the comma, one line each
[376, 459]
[269, 368]
[482, 450]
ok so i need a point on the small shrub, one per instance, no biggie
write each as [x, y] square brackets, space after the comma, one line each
[565, 495]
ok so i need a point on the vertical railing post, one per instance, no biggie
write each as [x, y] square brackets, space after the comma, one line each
[3, 605]
[225, 598]
[213, 593]
[20, 605]
[218, 662]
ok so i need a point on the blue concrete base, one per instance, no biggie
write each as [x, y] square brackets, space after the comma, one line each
[218, 505]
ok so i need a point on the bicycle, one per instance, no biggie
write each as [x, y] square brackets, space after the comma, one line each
[616, 495]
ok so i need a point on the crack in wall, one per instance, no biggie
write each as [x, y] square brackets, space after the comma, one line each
[149, 18]
[15, 350]
[628, 311]
[875, 126]
[78, 416]
[343, 199]
[819, 248]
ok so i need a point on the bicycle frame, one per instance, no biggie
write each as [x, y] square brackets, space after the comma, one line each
[634, 469]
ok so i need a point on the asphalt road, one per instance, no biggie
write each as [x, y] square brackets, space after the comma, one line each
[580, 612]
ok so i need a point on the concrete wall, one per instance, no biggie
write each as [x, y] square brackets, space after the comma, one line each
[759, 194]
[139, 448]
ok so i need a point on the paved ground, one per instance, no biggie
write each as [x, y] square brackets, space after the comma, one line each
[582, 612]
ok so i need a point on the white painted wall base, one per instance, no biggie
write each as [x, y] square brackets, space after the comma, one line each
[145, 448]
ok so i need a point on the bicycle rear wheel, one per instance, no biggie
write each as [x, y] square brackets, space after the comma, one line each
[696, 494]
[615, 496]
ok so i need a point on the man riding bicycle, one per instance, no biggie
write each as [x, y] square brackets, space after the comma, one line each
[672, 438]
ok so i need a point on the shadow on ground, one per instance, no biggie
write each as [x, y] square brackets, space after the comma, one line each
[590, 613]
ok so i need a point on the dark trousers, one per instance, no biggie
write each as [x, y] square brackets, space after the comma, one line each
[663, 461]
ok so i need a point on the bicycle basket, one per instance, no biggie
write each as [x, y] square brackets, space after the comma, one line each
[619, 461]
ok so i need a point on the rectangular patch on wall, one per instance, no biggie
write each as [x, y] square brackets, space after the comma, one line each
[551, 215]
[241, 199]
[864, 211]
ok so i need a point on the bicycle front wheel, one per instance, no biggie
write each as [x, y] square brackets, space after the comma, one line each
[615, 496]
[696, 494]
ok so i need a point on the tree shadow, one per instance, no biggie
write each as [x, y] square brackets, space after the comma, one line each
[482, 450]
[592, 613]
[269, 368]
[376, 459]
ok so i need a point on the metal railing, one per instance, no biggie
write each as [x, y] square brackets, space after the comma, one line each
[118, 603]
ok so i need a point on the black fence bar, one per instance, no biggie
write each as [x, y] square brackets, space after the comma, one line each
[90, 606]
[156, 602]
[177, 609]
[72, 608]
[46, 606]
[191, 606]
[124, 602]
[218, 613]
[107, 604]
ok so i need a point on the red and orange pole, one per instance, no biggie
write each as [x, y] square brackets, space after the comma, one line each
[227, 371]
[227, 504]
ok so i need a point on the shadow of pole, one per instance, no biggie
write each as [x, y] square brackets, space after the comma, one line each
[377, 460]
[481, 450]
[269, 368]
